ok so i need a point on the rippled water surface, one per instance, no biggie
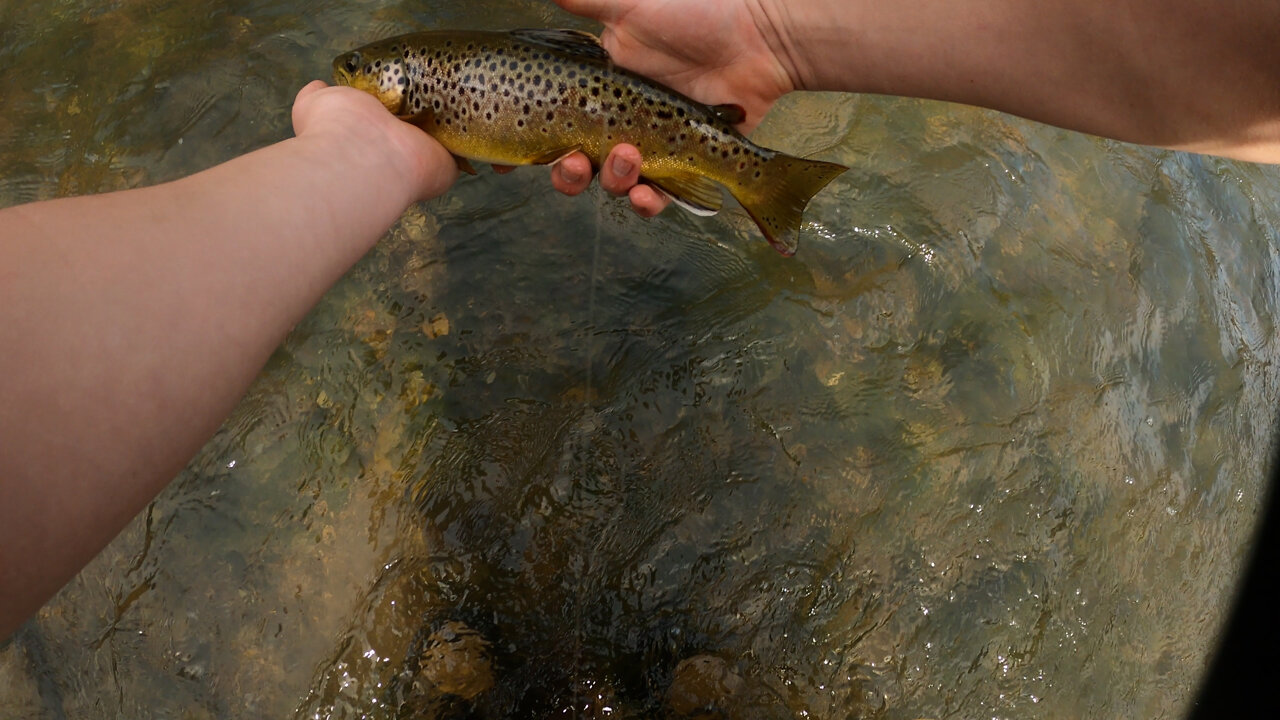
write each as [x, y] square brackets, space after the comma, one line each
[990, 445]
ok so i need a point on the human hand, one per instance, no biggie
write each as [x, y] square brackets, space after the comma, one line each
[715, 51]
[354, 121]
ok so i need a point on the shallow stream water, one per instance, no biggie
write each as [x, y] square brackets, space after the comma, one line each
[991, 445]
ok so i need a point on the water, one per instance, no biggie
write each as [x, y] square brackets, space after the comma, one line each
[990, 445]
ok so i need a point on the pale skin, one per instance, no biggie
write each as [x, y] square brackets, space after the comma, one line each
[133, 322]
[1190, 75]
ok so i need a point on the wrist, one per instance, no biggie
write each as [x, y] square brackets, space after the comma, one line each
[782, 25]
[369, 145]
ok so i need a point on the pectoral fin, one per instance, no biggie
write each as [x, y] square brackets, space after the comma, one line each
[464, 165]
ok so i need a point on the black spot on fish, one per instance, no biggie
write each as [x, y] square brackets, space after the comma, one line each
[525, 109]
[403, 81]
[595, 92]
[572, 74]
[737, 150]
[493, 67]
[679, 112]
[617, 92]
[582, 102]
[664, 114]
[613, 122]
[520, 123]
[551, 115]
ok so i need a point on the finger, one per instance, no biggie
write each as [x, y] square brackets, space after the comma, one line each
[597, 9]
[621, 169]
[309, 88]
[647, 202]
[503, 169]
[571, 175]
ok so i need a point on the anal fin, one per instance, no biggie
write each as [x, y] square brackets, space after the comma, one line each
[695, 193]
[554, 156]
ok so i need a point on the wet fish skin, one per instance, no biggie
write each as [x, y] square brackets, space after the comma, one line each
[534, 96]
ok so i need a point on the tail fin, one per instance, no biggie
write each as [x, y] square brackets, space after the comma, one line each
[777, 201]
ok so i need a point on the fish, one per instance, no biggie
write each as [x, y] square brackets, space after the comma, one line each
[534, 96]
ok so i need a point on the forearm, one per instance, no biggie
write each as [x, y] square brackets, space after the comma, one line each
[1187, 74]
[131, 324]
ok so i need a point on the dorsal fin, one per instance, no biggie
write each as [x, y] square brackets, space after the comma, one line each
[731, 113]
[576, 42]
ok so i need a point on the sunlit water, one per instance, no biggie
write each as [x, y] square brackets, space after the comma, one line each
[990, 445]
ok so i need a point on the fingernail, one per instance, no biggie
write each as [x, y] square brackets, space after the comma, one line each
[622, 166]
[569, 175]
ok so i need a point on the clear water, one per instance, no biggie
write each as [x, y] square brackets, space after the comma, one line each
[991, 445]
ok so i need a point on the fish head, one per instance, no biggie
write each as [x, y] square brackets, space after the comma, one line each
[377, 69]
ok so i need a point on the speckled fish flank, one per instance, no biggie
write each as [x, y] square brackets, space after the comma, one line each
[534, 96]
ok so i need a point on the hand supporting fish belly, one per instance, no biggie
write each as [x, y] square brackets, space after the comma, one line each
[533, 97]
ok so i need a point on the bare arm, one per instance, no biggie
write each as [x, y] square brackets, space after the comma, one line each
[1193, 75]
[131, 323]
[1185, 74]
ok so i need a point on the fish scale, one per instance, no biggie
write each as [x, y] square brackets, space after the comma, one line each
[534, 96]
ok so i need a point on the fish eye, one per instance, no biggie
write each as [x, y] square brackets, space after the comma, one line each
[353, 62]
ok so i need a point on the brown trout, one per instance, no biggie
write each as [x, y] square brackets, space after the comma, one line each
[528, 97]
